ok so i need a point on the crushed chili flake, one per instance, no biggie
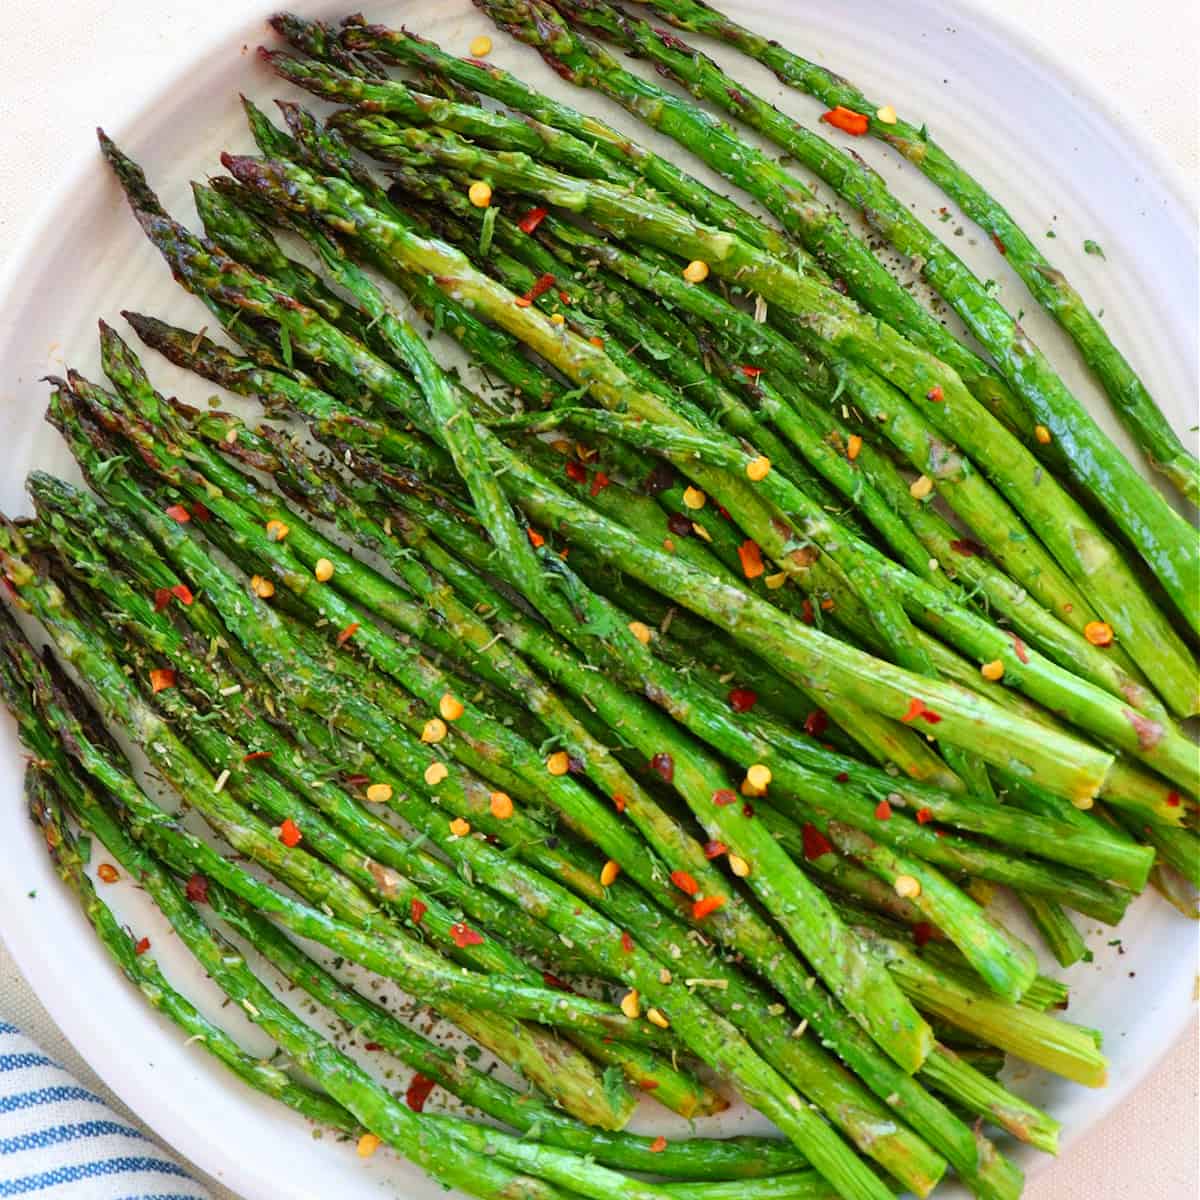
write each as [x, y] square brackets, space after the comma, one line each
[162, 598]
[924, 816]
[723, 796]
[1174, 799]
[372, 1047]
[289, 833]
[806, 611]
[576, 471]
[935, 394]
[418, 1092]
[842, 777]
[1021, 649]
[922, 933]
[684, 882]
[626, 942]
[816, 722]
[847, 120]
[183, 594]
[715, 849]
[883, 811]
[702, 908]
[966, 547]
[417, 910]
[751, 559]
[142, 947]
[664, 764]
[751, 372]
[255, 755]
[999, 244]
[747, 810]
[178, 513]
[679, 525]
[742, 700]
[535, 539]
[200, 512]
[619, 803]
[347, 633]
[916, 708]
[599, 482]
[658, 1145]
[532, 219]
[464, 935]
[197, 888]
[816, 844]
[161, 678]
[553, 981]
[648, 1085]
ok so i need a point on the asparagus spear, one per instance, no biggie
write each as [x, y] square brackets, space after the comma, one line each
[1128, 394]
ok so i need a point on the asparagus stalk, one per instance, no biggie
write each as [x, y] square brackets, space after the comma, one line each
[1128, 394]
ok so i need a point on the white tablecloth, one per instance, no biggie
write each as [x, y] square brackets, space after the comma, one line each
[61, 65]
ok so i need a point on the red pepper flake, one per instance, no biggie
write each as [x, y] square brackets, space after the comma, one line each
[348, 633]
[658, 1145]
[916, 708]
[418, 1092]
[922, 933]
[648, 1085]
[679, 525]
[723, 796]
[532, 219]
[935, 394]
[742, 700]
[702, 908]
[664, 764]
[357, 780]
[1021, 649]
[541, 286]
[816, 844]
[535, 539]
[847, 120]
[142, 947]
[931, 717]
[372, 1047]
[178, 513]
[619, 803]
[553, 981]
[999, 244]
[200, 512]
[255, 755]
[183, 594]
[1174, 799]
[883, 811]
[715, 850]
[626, 942]
[842, 777]
[685, 883]
[816, 722]
[599, 482]
[162, 598]
[576, 471]
[924, 816]
[751, 372]
[417, 910]
[747, 810]
[289, 833]
[464, 935]
[161, 678]
[751, 558]
[966, 547]
[197, 888]
[806, 611]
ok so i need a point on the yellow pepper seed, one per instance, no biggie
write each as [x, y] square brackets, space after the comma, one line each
[368, 1144]
[759, 775]
[656, 1018]
[264, 589]
[277, 531]
[641, 631]
[748, 789]
[886, 114]
[108, 873]
[694, 498]
[1099, 633]
[776, 581]
[920, 487]
[758, 468]
[609, 873]
[434, 731]
[379, 793]
[459, 827]
[992, 670]
[450, 707]
[696, 271]
[739, 866]
[323, 570]
[480, 193]
[1043, 435]
[557, 319]
[480, 47]
[907, 887]
[1083, 803]
[631, 1004]
[501, 805]
[435, 773]
[559, 763]
[853, 446]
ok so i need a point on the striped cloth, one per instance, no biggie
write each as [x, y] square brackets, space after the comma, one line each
[60, 1141]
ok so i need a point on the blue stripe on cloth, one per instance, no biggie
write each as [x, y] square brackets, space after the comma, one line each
[19, 1062]
[93, 1170]
[5, 1027]
[68, 1133]
[161, 1196]
[50, 1095]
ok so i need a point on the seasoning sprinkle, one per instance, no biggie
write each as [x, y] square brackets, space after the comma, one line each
[289, 833]
[433, 731]
[480, 47]
[323, 570]
[1099, 633]
[460, 827]
[379, 793]
[907, 887]
[655, 1017]
[631, 1004]
[107, 873]
[993, 670]
[277, 530]
[500, 805]
[435, 773]
[480, 193]
[451, 707]
[886, 114]
[696, 271]
[264, 589]
[1043, 435]
[559, 763]
[609, 873]
[758, 468]
[759, 776]
[368, 1144]
[739, 866]
[641, 631]
[694, 498]
[853, 446]
[920, 487]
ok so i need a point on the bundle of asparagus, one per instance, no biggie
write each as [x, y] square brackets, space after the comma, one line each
[641, 714]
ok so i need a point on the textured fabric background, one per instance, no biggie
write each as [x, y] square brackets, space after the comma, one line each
[61, 67]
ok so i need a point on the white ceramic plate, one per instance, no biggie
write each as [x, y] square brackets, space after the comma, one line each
[1049, 148]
